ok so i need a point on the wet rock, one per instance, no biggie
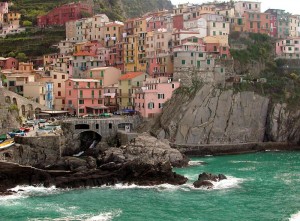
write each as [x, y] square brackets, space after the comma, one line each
[206, 179]
[203, 183]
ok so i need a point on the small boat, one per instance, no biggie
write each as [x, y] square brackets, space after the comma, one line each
[3, 137]
[16, 133]
[7, 143]
[25, 129]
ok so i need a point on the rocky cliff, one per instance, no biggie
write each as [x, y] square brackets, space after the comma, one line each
[216, 116]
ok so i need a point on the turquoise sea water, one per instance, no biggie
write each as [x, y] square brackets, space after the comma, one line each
[261, 186]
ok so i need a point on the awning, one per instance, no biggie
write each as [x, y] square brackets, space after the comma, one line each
[55, 112]
[98, 108]
[112, 95]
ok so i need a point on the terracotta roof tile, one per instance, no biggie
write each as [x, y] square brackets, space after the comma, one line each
[83, 53]
[130, 75]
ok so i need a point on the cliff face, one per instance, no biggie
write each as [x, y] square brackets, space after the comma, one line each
[214, 116]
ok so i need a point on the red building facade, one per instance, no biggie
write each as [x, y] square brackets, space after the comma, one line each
[63, 14]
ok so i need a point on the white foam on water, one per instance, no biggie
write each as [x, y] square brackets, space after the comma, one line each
[27, 191]
[247, 169]
[229, 183]
[106, 216]
[196, 163]
[295, 217]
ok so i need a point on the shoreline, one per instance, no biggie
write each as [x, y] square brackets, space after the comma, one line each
[233, 149]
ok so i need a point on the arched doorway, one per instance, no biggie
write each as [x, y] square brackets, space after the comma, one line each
[37, 110]
[23, 110]
[89, 139]
[30, 112]
[7, 100]
[15, 101]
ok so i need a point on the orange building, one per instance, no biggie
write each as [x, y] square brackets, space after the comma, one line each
[257, 22]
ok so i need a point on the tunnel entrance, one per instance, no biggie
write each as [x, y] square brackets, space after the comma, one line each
[89, 139]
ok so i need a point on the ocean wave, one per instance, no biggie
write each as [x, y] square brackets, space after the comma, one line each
[229, 183]
[27, 191]
[243, 161]
[196, 163]
[106, 216]
[247, 169]
[295, 217]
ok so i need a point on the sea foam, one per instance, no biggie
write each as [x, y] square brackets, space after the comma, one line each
[106, 216]
[295, 217]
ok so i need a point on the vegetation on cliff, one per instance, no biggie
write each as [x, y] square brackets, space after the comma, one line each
[282, 80]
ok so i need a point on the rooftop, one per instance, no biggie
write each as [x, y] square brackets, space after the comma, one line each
[83, 80]
[131, 75]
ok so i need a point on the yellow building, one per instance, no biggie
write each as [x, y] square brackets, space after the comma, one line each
[135, 47]
[127, 85]
[113, 33]
[12, 17]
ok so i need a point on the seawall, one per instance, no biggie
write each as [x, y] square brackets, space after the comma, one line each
[227, 149]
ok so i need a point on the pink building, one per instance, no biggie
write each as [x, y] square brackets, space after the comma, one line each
[8, 63]
[288, 48]
[178, 21]
[84, 96]
[149, 100]
[63, 14]
[257, 22]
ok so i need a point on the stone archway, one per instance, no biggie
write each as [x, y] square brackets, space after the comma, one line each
[23, 110]
[37, 110]
[7, 100]
[89, 139]
[15, 101]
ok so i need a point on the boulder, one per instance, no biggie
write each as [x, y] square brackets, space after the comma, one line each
[203, 183]
[148, 149]
[206, 179]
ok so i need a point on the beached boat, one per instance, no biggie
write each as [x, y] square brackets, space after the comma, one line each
[25, 129]
[16, 133]
[7, 143]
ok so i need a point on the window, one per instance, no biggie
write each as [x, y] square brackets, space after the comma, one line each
[100, 101]
[59, 93]
[70, 93]
[160, 105]
[192, 54]
[69, 101]
[59, 85]
[214, 33]
[129, 82]
[198, 64]
[200, 55]
[150, 105]
[63, 76]
[224, 25]
[173, 86]
[251, 24]
[161, 96]
[55, 76]
[214, 24]
[81, 101]
[91, 74]
[102, 73]
[182, 61]
[88, 84]
[208, 61]
[100, 82]
[81, 110]
[81, 93]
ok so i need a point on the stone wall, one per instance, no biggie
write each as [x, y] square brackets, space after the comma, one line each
[215, 149]
[27, 108]
[34, 151]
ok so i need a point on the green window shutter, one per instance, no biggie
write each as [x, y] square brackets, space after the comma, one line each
[100, 82]
[91, 74]
[208, 61]
[198, 64]
[182, 61]
[102, 73]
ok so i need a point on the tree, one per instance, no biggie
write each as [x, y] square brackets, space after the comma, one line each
[11, 54]
[21, 57]
[27, 23]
